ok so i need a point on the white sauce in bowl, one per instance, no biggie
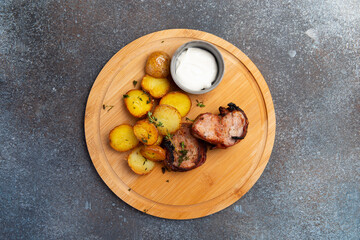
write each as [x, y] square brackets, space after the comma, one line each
[196, 69]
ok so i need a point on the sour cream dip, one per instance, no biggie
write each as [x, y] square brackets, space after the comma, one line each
[196, 69]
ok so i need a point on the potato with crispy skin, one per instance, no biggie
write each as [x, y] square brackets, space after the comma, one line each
[157, 87]
[138, 163]
[153, 153]
[178, 100]
[146, 132]
[168, 119]
[122, 138]
[158, 64]
[159, 140]
[138, 102]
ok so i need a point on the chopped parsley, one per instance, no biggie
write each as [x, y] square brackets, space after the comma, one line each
[134, 83]
[183, 152]
[140, 98]
[199, 104]
[183, 156]
[163, 170]
[125, 96]
[145, 210]
[144, 140]
[188, 119]
[147, 101]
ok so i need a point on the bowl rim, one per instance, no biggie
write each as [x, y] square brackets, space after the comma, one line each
[211, 49]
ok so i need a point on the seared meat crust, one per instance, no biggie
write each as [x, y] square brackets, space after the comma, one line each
[190, 152]
[223, 130]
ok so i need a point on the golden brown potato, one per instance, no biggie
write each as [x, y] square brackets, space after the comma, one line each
[138, 163]
[159, 140]
[122, 138]
[153, 153]
[168, 119]
[138, 102]
[157, 87]
[158, 64]
[146, 132]
[178, 100]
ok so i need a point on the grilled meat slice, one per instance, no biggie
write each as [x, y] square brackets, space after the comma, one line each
[188, 152]
[223, 130]
[207, 127]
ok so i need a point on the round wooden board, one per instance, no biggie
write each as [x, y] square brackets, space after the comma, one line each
[226, 175]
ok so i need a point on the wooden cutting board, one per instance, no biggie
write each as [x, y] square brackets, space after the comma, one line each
[226, 175]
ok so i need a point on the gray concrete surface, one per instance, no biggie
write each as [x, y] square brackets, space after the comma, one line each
[51, 53]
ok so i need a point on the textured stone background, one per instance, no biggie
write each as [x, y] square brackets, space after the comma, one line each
[51, 53]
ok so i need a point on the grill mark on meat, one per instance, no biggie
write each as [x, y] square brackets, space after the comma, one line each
[195, 155]
[226, 130]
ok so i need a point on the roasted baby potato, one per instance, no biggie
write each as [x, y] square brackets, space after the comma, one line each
[157, 87]
[178, 100]
[146, 132]
[159, 140]
[122, 138]
[138, 163]
[153, 153]
[158, 64]
[138, 102]
[168, 119]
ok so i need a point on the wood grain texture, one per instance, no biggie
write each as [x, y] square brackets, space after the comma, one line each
[226, 175]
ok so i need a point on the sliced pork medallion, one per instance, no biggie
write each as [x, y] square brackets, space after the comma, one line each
[223, 130]
[184, 151]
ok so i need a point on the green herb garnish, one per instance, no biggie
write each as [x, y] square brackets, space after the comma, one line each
[188, 119]
[183, 152]
[153, 120]
[125, 96]
[147, 101]
[168, 136]
[134, 83]
[199, 104]
[107, 106]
